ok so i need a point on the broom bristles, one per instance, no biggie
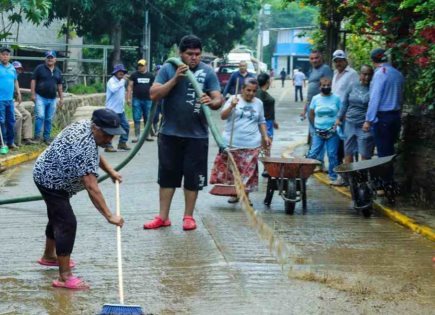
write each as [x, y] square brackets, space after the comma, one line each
[119, 309]
[224, 190]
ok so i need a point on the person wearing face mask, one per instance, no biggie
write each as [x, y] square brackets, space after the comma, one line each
[248, 133]
[324, 109]
[353, 112]
[67, 166]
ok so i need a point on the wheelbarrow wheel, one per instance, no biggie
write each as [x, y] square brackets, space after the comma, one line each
[291, 193]
[367, 212]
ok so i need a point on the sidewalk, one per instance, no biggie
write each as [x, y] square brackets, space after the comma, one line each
[418, 219]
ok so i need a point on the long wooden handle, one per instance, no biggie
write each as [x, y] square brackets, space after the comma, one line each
[118, 245]
[234, 118]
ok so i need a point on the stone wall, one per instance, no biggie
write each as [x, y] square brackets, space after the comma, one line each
[64, 116]
[417, 162]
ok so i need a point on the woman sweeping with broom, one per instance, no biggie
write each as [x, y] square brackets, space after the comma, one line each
[245, 132]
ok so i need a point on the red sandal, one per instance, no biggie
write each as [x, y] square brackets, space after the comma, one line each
[157, 223]
[189, 223]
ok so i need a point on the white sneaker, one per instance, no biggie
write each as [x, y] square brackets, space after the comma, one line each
[338, 182]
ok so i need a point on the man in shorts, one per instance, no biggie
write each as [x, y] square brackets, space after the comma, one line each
[183, 137]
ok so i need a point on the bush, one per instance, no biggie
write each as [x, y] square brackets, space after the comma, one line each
[86, 89]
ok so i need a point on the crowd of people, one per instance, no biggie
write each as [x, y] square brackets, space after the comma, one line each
[366, 106]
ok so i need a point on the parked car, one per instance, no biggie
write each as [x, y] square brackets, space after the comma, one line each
[224, 72]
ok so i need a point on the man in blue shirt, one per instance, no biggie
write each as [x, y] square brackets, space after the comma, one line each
[242, 74]
[386, 98]
[8, 83]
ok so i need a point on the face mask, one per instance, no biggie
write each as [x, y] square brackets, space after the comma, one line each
[326, 90]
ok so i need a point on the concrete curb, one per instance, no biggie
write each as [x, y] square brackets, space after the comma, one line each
[21, 158]
[394, 215]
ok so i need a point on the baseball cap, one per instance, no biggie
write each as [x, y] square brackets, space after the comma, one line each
[4, 48]
[17, 65]
[50, 53]
[119, 67]
[108, 121]
[142, 62]
[339, 54]
[378, 55]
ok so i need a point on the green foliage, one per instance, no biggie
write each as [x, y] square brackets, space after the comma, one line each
[13, 11]
[87, 89]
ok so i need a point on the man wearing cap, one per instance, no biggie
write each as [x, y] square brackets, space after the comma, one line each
[69, 165]
[8, 84]
[183, 137]
[23, 124]
[139, 88]
[386, 99]
[46, 81]
[344, 75]
[115, 100]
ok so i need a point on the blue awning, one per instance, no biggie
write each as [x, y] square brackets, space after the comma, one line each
[293, 49]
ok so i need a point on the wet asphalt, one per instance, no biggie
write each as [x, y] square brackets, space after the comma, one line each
[338, 261]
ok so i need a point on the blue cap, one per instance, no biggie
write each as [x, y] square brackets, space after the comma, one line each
[50, 53]
[17, 65]
[119, 67]
[378, 55]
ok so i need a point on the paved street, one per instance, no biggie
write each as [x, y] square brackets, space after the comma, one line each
[338, 261]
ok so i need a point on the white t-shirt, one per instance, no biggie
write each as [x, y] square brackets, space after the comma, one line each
[299, 78]
[248, 118]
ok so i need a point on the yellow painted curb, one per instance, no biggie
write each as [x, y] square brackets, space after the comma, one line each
[20, 158]
[394, 215]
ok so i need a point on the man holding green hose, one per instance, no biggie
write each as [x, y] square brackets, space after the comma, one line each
[183, 137]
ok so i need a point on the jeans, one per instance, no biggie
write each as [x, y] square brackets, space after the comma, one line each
[331, 144]
[125, 126]
[298, 89]
[45, 109]
[321, 155]
[141, 109]
[386, 132]
[7, 121]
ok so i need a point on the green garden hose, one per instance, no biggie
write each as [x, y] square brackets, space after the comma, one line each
[144, 135]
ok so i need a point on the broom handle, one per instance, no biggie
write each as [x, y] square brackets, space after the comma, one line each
[232, 131]
[118, 243]
[1, 137]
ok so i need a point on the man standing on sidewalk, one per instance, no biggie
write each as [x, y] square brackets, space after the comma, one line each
[139, 85]
[23, 124]
[242, 74]
[46, 80]
[299, 83]
[282, 75]
[8, 84]
[115, 100]
[183, 137]
[386, 99]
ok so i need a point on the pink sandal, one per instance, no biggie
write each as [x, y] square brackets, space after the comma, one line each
[50, 263]
[72, 283]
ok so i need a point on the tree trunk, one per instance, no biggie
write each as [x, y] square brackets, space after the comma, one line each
[116, 41]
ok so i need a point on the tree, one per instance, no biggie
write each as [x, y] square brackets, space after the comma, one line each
[13, 11]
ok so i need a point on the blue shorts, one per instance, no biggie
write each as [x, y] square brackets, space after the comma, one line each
[269, 125]
[358, 140]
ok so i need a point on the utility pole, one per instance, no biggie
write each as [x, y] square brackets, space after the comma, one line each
[146, 41]
[265, 10]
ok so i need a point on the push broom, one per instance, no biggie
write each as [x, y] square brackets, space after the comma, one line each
[3, 148]
[227, 189]
[118, 309]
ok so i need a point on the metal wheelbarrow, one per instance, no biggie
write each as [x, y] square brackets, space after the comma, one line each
[289, 177]
[365, 178]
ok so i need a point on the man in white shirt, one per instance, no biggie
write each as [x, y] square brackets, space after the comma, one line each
[344, 78]
[299, 82]
[344, 75]
[115, 100]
